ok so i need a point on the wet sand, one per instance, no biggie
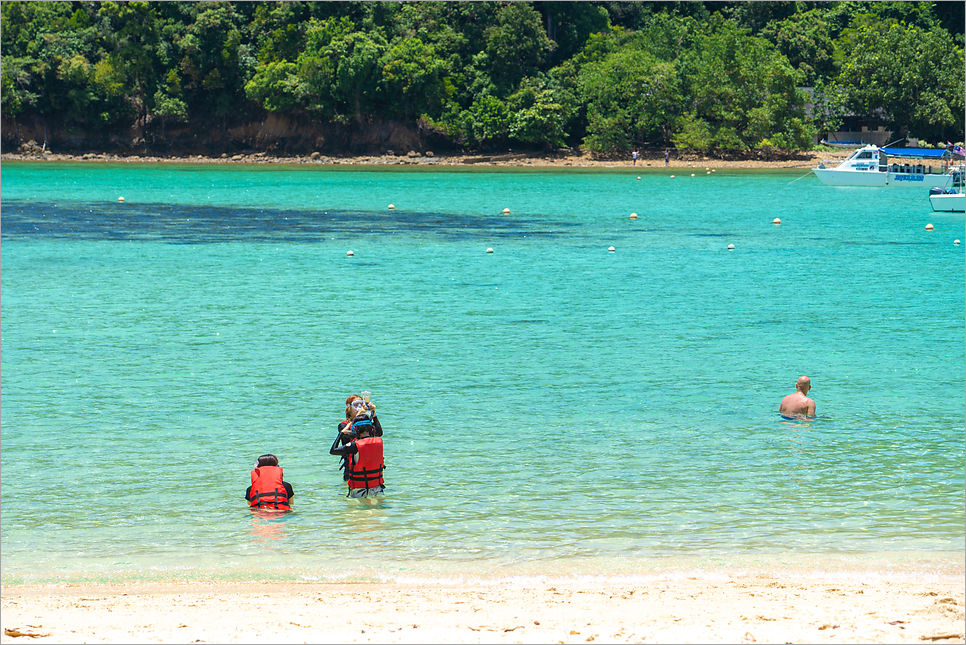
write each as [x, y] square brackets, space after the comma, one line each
[749, 609]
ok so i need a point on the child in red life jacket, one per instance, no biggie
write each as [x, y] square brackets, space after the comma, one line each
[268, 491]
[360, 436]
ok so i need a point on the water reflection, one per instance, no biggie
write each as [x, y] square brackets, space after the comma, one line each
[365, 518]
[268, 525]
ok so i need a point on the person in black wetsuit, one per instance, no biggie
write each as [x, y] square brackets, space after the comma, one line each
[358, 412]
[361, 421]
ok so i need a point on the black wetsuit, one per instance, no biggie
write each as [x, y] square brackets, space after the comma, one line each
[347, 447]
[375, 432]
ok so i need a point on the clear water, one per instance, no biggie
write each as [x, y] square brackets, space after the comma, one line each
[551, 409]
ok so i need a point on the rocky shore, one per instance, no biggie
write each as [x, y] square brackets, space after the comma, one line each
[412, 158]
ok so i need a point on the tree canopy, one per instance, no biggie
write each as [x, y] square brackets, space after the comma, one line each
[609, 76]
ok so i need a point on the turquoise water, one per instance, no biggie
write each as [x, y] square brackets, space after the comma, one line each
[551, 409]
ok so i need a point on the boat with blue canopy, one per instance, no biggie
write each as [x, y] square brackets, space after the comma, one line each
[874, 166]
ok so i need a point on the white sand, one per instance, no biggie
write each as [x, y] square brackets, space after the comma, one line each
[739, 610]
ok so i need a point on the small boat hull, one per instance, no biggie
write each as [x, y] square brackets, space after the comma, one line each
[835, 177]
[952, 203]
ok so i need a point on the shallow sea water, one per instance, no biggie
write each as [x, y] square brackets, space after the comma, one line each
[551, 409]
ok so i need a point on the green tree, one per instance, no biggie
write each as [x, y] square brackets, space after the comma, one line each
[516, 46]
[357, 71]
[412, 79]
[216, 62]
[276, 86]
[805, 39]
[169, 109]
[914, 78]
[488, 120]
[631, 97]
[537, 114]
[570, 24]
[132, 45]
[279, 29]
[742, 93]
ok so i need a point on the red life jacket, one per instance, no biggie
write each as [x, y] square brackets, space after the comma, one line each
[268, 491]
[365, 467]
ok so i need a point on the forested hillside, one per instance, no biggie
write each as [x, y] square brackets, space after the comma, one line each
[714, 77]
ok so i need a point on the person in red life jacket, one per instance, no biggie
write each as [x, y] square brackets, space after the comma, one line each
[358, 414]
[361, 448]
[268, 491]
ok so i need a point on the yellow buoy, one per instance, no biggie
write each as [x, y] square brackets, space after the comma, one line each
[672, 176]
[392, 207]
[776, 221]
[633, 215]
[930, 227]
[120, 199]
[506, 211]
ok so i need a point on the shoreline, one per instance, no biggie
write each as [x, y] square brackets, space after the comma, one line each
[741, 608]
[806, 160]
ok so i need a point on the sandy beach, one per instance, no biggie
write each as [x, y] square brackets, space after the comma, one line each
[690, 163]
[737, 610]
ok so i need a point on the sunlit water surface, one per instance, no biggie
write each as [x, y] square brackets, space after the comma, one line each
[552, 410]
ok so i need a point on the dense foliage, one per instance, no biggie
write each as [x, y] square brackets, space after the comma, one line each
[610, 76]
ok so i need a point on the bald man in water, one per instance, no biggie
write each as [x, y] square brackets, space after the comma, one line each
[798, 405]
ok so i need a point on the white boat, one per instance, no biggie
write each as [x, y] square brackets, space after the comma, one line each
[851, 145]
[950, 199]
[874, 166]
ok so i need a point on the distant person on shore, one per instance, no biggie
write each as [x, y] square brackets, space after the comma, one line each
[359, 443]
[268, 491]
[634, 157]
[665, 157]
[798, 405]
